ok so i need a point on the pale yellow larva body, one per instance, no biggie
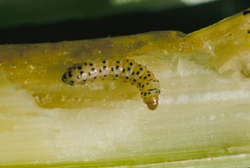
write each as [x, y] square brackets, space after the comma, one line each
[126, 70]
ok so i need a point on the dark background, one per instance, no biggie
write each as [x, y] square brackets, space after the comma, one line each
[36, 21]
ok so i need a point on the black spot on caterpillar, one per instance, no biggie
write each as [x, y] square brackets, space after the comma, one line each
[126, 70]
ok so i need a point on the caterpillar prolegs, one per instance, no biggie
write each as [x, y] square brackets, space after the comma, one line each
[126, 70]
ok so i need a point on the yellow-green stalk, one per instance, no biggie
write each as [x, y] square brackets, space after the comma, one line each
[203, 117]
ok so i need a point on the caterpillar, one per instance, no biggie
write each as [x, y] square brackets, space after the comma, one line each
[126, 70]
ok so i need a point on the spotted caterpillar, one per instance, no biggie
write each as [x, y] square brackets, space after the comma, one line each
[125, 70]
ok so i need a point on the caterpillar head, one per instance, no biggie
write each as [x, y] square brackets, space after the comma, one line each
[67, 76]
[152, 102]
[64, 78]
